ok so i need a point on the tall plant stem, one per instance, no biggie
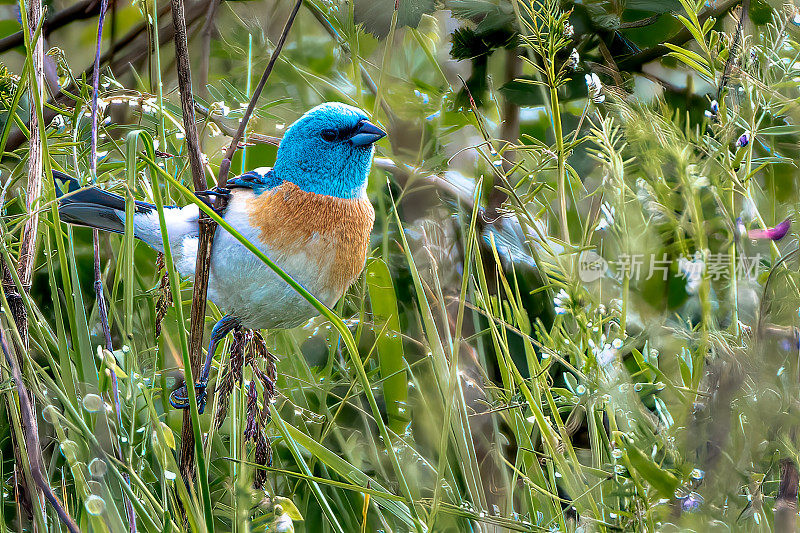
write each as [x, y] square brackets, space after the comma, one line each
[207, 228]
[34, 44]
[562, 173]
[225, 166]
[32, 438]
[191, 444]
[786, 502]
[733, 259]
[102, 308]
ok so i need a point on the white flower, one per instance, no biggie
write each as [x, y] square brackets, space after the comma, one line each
[574, 59]
[713, 109]
[561, 302]
[222, 107]
[608, 216]
[692, 271]
[604, 354]
[595, 87]
[59, 123]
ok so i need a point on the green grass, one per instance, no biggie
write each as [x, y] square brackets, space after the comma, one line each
[472, 379]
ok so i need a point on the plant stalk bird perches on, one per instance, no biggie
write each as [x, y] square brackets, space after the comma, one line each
[309, 213]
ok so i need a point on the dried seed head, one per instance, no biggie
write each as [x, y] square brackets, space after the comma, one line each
[252, 429]
[164, 301]
[263, 456]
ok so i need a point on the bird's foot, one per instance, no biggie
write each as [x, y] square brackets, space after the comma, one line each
[215, 192]
[179, 399]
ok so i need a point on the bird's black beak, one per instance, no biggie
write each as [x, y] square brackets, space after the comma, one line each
[366, 134]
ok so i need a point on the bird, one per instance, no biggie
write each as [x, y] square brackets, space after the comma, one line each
[309, 213]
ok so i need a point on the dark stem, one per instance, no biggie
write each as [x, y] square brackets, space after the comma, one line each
[735, 46]
[786, 502]
[207, 229]
[225, 166]
[645, 56]
[98, 279]
[80, 11]
[32, 439]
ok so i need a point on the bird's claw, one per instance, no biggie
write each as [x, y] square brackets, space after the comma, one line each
[179, 399]
[219, 192]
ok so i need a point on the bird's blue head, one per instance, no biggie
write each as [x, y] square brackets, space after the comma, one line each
[329, 151]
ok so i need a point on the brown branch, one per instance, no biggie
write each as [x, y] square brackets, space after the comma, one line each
[27, 248]
[80, 11]
[203, 261]
[136, 36]
[225, 166]
[32, 438]
[207, 228]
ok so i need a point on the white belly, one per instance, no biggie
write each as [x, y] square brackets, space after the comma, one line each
[242, 285]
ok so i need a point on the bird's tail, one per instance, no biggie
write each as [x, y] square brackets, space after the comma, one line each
[91, 206]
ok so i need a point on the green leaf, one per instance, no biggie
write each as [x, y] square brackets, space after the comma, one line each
[653, 6]
[8, 27]
[523, 92]
[760, 12]
[169, 437]
[661, 480]
[785, 129]
[389, 344]
[289, 508]
[348, 471]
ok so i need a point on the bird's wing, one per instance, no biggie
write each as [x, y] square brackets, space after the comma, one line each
[259, 180]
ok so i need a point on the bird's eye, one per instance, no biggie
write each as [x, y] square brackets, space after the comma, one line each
[329, 135]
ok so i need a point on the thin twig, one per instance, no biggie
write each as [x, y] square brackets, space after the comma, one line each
[27, 248]
[786, 502]
[736, 44]
[207, 228]
[189, 443]
[225, 166]
[32, 439]
[228, 130]
[80, 11]
[98, 280]
[645, 56]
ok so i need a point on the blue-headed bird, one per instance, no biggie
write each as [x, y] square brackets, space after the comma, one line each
[309, 214]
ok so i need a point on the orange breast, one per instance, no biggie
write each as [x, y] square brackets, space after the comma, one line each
[332, 231]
